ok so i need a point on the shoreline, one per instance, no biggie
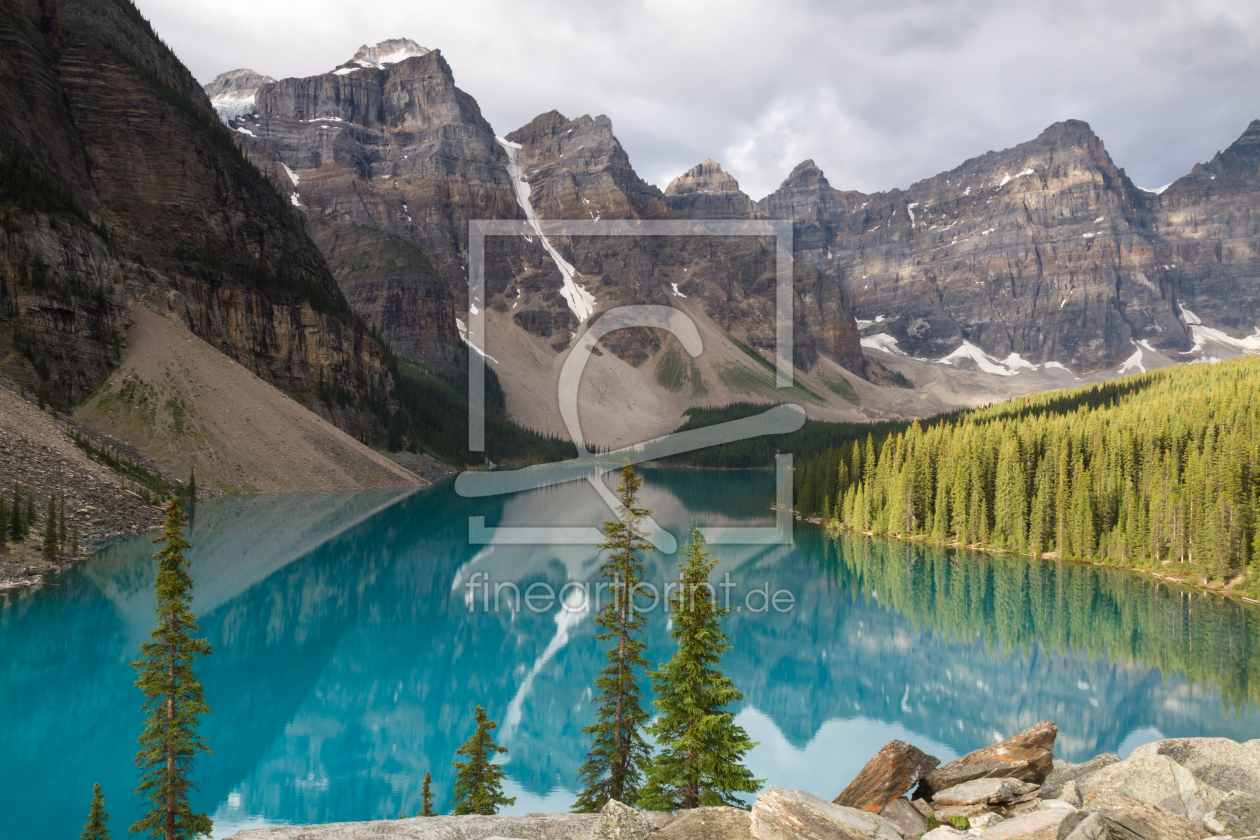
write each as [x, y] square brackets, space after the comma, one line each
[1223, 590]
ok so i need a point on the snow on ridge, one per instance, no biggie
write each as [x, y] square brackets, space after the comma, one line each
[1158, 191]
[581, 302]
[292, 175]
[882, 341]
[463, 336]
[676, 292]
[1202, 335]
[1134, 361]
[861, 324]
[1006, 179]
[229, 107]
[981, 359]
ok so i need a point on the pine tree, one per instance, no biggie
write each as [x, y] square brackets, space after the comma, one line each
[16, 531]
[479, 781]
[702, 749]
[74, 540]
[95, 828]
[4, 522]
[173, 695]
[30, 512]
[426, 796]
[614, 766]
[50, 529]
[192, 485]
[61, 523]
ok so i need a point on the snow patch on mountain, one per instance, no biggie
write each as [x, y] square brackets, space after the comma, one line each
[581, 302]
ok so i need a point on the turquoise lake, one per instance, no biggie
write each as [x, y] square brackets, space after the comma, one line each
[349, 653]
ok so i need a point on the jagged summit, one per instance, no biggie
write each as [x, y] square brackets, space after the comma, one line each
[706, 192]
[387, 52]
[706, 177]
[233, 93]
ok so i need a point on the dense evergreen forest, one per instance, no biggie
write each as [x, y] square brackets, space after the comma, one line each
[1014, 604]
[1158, 469]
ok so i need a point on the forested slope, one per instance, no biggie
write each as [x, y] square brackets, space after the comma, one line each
[1153, 470]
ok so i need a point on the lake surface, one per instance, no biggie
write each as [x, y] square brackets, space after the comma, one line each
[349, 653]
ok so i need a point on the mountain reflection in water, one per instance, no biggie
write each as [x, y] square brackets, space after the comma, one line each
[347, 660]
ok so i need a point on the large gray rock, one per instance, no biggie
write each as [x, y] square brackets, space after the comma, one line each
[1026, 756]
[986, 792]
[1127, 818]
[1238, 815]
[1224, 764]
[1090, 828]
[1063, 772]
[618, 821]
[1051, 824]
[782, 814]
[1157, 780]
[708, 824]
[528, 827]
[943, 832]
[905, 816]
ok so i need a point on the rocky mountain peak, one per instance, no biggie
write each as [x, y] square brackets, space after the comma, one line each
[706, 192]
[387, 52]
[233, 93]
[706, 177]
[578, 169]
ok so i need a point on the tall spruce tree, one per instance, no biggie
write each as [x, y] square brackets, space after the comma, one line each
[17, 531]
[50, 528]
[478, 780]
[4, 522]
[700, 762]
[61, 522]
[614, 765]
[96, 828]
[173, 695]
[426, 796]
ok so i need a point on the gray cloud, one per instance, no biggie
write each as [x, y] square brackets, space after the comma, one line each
[879, 94]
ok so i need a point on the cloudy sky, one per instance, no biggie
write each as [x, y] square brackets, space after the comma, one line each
[880, 93]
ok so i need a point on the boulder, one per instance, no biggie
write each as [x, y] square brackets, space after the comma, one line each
[986, 792]
[1064, 773]
[1026, 756]
[891, 772]
[1045, 804]
[1127, 818]
[983, 821]
[1090, 828]
[782, 814]
[1157, 780]
[1069, 793]
[660, 819]
[922, 806]
[905, 816]
[618, 821]
[943, 832]
[708, 824]
[1220, 762]
[1051, 824]
[1238, 815]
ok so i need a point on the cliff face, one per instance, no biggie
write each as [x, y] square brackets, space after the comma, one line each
[150, 202]
[1209, 223]
[389, 145]
[1046, 250]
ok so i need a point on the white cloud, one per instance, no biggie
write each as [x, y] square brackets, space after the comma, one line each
[879, 94]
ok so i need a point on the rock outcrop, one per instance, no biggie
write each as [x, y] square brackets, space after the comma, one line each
[123, 188]
[706, 192]
[1025, 757]
[891, 772]
[233, 93]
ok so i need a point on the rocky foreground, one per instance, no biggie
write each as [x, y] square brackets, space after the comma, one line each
[1175, 789]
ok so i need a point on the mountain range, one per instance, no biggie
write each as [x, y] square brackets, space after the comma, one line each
[1040, 259]
[312, 228]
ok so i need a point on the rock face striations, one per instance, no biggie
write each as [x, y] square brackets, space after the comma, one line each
[390, 156]
[121, 187]
[1045, 254]
[387, 161]
[1046, 251]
